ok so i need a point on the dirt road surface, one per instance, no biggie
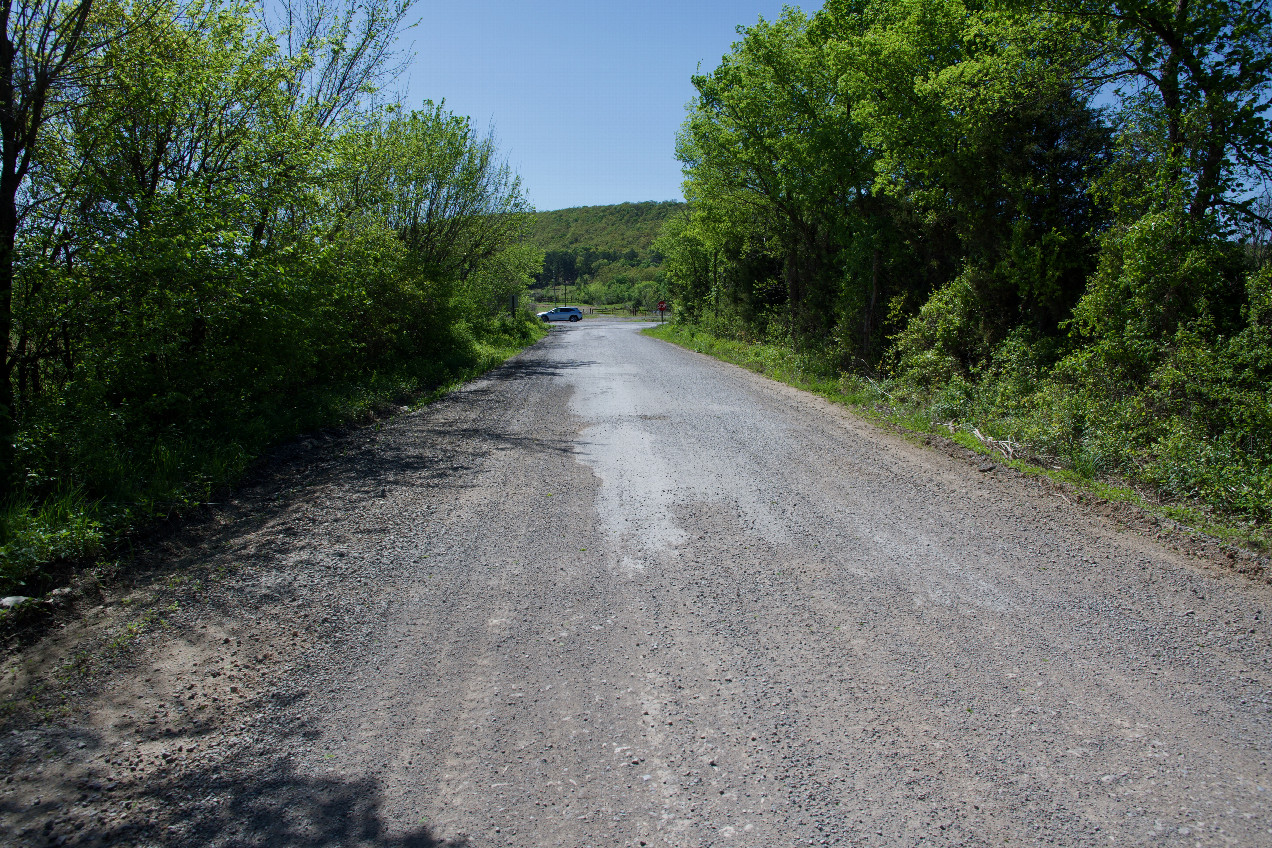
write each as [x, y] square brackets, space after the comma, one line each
[619, 594]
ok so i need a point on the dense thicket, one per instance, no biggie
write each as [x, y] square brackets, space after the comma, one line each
[1052, 221]
[213, 237]
[602, 255]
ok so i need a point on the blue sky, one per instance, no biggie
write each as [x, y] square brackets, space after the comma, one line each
[584, 97]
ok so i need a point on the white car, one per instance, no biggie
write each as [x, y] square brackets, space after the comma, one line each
[562, 313]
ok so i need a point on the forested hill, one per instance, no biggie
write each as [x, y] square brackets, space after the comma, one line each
[606, 229]
[602, 255]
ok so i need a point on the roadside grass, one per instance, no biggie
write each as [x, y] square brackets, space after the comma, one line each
[45, 539]
[872, 401]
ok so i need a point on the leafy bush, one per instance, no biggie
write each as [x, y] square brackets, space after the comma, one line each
[39, 533]
[941, 343]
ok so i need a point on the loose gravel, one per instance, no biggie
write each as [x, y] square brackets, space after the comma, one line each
[616, 593]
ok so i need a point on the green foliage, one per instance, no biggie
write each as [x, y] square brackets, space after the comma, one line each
[923, 188]
[609, 230]
[1192, 82]
[870, 155]
[602, 255]
[222, 248]
[940, 344]
[39, 533]
[1161, 272]
[774, 169]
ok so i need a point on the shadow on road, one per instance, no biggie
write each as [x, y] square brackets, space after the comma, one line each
[523, 368]
[440, 451]
[256, 803]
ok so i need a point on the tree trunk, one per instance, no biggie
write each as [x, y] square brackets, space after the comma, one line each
[8, 415]
[1171, 97]
[868, 325]
[48, 44]
[715, 283]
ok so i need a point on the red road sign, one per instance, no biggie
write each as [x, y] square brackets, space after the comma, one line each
[662, 305]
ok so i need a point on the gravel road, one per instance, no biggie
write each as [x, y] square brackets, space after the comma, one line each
[620, 594]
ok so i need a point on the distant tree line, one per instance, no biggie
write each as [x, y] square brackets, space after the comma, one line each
[1050, 219]
[602, 255]
[210, 228]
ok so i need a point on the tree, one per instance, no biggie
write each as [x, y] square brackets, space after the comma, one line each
[448, 195]
[338, 52]
[889, 146]
[1194, 82]
[770, 130]
[342, 50]
[44, 48]
[979, 127]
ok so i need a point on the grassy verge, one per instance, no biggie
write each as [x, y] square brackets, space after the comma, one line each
[43, 540]
[870, 400]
